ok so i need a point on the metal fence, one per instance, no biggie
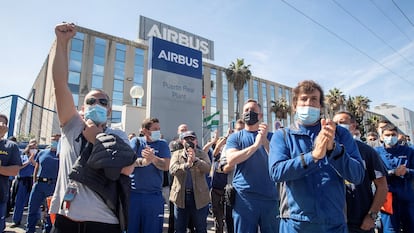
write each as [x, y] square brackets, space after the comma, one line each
[29, 120]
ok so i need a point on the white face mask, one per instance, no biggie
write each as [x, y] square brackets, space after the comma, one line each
[346, 126]
[33, 151]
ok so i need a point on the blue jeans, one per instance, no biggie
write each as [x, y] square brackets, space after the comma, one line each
[182, 216]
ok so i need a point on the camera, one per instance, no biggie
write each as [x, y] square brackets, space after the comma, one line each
[189, 144]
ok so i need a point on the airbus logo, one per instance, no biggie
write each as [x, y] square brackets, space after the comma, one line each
[178, 58]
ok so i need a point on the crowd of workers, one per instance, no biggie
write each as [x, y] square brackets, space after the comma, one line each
[313, 176]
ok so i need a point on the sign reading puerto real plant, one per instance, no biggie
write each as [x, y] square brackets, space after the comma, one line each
[174, 86]
[149, 28]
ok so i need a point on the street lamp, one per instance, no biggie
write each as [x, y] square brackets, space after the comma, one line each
[136, 92]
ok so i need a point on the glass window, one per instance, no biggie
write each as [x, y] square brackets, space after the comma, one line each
[116, 116]
[75, 55]
[119, 74]
[98, 70]
[264, 103]
[99, 60]
[118, 85]
[246, 92]
[120, 47]
[74, 88]
[77, 45]
[74, 77]
[100, 41]
[79, 35]
[97, 81]
[75, 99]
[99, 50]
[256, 90]
[280, 92]
[120, 55]
[75, 65]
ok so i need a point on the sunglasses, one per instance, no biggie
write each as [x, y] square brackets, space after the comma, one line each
[92, 101]
[190, 138]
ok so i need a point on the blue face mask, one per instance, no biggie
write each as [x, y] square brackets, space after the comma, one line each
[390, 140]
[54, 144]
[155, 135]
[308, 115]
[96, 113]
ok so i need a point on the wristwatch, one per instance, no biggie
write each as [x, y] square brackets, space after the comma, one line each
[373, 215]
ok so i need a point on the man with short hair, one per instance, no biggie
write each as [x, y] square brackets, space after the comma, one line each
[9, 166]
[146, 201]
[310, 161]
[399, 162]
[80, 208]
[256, 198]
[189, 191]
[362, 201]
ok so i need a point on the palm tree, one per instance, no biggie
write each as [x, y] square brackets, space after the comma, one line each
[280, 108]
[238, 73]
[372, 123]
[334, 101]
[357, 106]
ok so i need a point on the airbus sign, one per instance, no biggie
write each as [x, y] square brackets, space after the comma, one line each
[150, 28]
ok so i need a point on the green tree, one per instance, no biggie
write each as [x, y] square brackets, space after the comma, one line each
[334, 101]
[280, 108]
[358, 105]
[238, 73]
[372, 123]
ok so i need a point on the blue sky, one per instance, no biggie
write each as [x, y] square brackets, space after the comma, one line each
[361, 47]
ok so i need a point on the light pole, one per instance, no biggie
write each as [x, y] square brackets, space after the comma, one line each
[136, 92]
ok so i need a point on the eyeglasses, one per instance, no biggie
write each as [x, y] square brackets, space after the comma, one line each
[92, 101]
[190, 138]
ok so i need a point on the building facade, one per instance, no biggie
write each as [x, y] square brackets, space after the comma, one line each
[101, 61]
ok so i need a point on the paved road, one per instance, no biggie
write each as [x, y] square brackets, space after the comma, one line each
[210, 224]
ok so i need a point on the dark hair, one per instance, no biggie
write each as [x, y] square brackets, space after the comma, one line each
[147, 123]
[12, 138]
[5, 117]
[372, 134]
[307, 87]
[351, 116]
[389, 127]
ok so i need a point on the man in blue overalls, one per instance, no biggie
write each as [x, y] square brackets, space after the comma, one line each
[24, 181]
[44, 179]
[399, 161]
[146, 202]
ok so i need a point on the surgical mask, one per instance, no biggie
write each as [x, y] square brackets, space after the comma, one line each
[155, 135]
[33, 151]
[390, 140]
[346, 126]
[308, 115]
[357, 137]
[53, 144]
[250, 117]
[97, 113]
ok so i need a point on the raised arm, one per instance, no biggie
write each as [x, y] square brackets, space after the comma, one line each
[60, 72]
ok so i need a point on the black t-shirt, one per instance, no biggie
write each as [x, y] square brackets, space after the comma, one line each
[359, 197]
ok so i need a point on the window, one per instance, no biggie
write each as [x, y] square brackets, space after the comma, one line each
[98, 68]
